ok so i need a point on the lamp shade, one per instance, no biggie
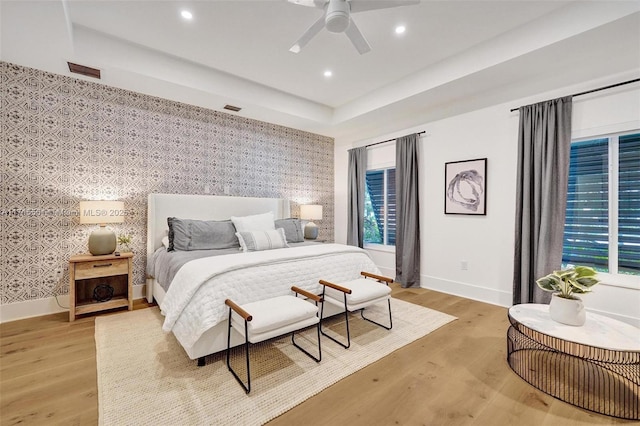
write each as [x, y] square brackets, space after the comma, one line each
[102, 240]
[102, 212]
[311, 212]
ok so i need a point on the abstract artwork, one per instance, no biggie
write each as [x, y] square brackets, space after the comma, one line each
[465, 187]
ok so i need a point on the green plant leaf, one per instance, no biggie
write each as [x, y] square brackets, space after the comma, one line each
[585, 271]
[550, 283]
[566, 273]
[587, 281]
[578, 288]
[571, 280]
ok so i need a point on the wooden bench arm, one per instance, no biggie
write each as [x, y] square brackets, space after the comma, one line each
[244, 314]
[377, 277]
[336, 286]
[306, 294]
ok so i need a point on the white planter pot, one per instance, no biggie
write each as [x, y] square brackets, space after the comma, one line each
[567, 311]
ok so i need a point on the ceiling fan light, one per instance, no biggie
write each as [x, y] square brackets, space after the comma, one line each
[337, 17]
[337, 22]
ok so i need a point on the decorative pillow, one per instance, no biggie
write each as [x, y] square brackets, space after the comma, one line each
[262, 240]
[165, 241]
[292, 229]
[190, 234]
[257, 222]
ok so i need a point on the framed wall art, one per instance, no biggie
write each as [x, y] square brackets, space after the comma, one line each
[466, 187]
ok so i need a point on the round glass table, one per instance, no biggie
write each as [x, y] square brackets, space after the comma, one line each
[595, 366]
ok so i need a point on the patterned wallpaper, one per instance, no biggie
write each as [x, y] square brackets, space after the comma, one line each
[65, 140]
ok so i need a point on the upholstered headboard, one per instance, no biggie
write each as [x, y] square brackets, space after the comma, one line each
[203, 207]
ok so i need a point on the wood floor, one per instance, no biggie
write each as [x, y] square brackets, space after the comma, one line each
[456, 375]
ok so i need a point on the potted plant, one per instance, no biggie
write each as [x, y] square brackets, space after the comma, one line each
[565, 306]
[124, 242]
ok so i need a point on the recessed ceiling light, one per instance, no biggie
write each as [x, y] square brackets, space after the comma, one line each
[186, 14]
[400, 29]
[328, 73]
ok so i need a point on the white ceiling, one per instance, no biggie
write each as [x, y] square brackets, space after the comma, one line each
[454, 56]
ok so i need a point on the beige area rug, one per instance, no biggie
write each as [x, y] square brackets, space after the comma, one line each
[146, 378]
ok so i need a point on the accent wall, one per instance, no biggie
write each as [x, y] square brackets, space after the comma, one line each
[65, 140]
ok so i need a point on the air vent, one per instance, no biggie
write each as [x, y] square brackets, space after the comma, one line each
[84, 70]
[232, 108]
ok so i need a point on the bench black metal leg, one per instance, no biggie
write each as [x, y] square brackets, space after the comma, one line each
[201, 361]
[247, 387]
[293, 341]
[346, 318]
[319, 358]
[377, 323]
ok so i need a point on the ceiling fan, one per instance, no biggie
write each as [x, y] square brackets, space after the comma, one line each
[337, 19]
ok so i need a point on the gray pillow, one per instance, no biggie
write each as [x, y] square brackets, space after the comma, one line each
[292, 229]
[190, 234]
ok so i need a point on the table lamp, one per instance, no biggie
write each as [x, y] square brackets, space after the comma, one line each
[311, 212]
[101, 240]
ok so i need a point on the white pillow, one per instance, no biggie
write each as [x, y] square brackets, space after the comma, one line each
[262, 240]
[165, 241]
[257, 222]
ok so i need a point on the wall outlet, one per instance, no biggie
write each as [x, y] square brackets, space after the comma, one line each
[227, 190]
[464, 265]
[207, 189]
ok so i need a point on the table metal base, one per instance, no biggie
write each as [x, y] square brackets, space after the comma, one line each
[600, 380]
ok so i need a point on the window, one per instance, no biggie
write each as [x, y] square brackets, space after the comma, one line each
[602, 227]
[380, 207]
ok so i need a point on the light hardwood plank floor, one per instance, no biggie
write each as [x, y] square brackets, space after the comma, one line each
[457, 375]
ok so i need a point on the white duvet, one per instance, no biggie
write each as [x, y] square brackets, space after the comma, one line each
[195, 300]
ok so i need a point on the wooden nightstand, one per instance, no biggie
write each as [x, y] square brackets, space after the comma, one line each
[86, 272]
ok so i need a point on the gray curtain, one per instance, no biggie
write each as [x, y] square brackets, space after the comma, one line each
[355, 213]
[544, 144]
[407, 212]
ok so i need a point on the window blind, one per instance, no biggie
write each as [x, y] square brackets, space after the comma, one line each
[375, 180]
[375, 191]
[629, 204]
[586, 232]
[391, 207]
[586, 235]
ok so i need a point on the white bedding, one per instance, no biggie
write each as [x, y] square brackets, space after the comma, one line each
[195, 300]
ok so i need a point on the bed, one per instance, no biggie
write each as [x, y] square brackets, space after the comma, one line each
[190, 287]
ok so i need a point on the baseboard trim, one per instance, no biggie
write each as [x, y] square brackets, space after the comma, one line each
[468, 291]
[47, 306]
[32, 308]
[499, 298]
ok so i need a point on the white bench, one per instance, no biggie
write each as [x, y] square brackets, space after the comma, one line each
[269, 318]
[357, 295]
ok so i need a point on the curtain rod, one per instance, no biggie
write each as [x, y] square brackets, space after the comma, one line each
[390, 140]
[598, 89]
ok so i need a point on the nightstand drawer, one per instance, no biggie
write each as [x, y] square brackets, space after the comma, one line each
[101, 268]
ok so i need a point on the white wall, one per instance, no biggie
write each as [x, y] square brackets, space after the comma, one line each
[486, 243]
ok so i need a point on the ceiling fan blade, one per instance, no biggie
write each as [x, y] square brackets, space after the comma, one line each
[310, 3]
[308, 35]
[364, 5]
[356, 37]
